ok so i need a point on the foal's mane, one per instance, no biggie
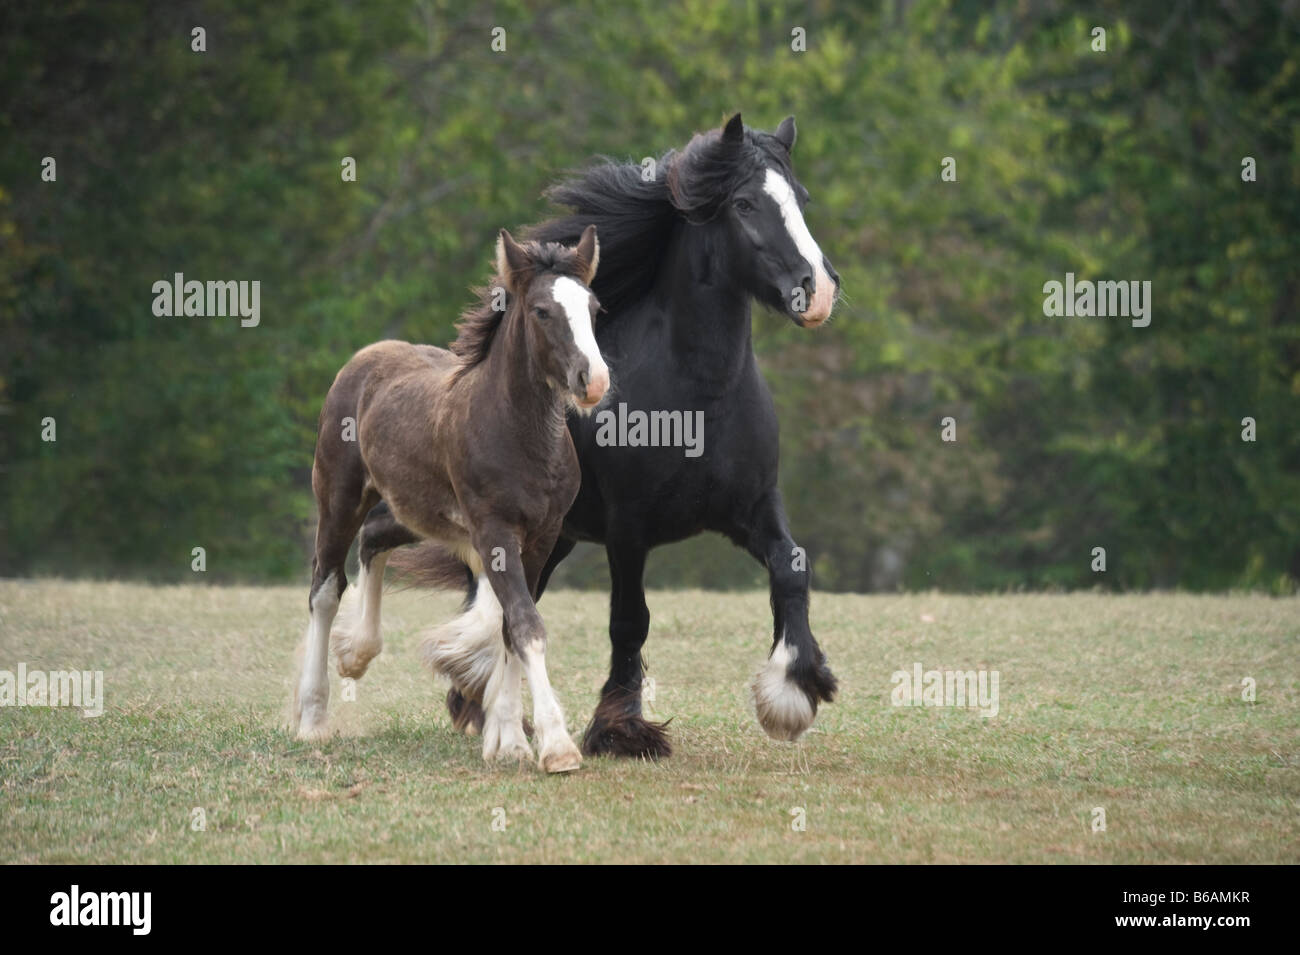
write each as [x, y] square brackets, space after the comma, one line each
[635, 217]
[478, 324]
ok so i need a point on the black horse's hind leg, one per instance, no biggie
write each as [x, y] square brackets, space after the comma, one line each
[617, 727]
[562, 549]
[796, 678]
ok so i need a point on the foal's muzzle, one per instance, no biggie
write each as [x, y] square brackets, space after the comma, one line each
[590, 386]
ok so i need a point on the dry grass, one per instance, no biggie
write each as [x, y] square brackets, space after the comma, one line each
[1128, 703]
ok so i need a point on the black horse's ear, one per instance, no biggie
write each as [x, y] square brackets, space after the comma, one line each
[587, 255]
[733, 134]
[512, 262]
[785, 133]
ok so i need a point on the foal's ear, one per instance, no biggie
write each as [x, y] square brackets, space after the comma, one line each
[785, 133]
[587, 255]
[512, 261]
[733, 134]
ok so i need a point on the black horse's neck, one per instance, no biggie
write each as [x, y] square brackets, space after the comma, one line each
[707, 309]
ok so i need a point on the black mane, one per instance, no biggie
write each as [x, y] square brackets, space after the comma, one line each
[635, 217]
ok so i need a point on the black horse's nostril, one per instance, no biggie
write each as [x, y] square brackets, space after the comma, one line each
[807, 285]
[584, 379]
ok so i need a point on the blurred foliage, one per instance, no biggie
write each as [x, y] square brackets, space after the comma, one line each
[1072, 433]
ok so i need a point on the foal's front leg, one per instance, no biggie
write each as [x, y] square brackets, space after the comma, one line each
[525, 642]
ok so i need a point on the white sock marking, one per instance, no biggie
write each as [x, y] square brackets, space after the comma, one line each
[313, 683]
[468, 649]
[553, 742]
[783, 709]
[356, 635]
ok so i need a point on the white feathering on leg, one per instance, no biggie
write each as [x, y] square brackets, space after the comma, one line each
[311, 698]
[783, 708]
[468, 648]
[356, 637]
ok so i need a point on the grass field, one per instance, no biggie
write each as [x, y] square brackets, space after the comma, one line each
[1132, 704]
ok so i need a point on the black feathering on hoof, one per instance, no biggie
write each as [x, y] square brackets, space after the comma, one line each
[618, 729]
[466, 715]
[816, 681]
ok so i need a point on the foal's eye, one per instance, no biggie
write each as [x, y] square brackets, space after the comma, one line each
[541, 313]
[743, 206]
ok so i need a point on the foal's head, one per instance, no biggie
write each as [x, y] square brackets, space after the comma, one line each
[549, 284]
[742, 179]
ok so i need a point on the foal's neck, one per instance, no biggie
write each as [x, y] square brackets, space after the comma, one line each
[534, 406]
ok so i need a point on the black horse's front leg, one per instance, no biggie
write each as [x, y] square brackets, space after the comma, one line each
[617, 727]
[795, 678]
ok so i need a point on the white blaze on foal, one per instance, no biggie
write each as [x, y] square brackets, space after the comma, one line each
[575, 299]
[819, 309]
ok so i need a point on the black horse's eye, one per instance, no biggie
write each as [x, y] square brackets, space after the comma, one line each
[541, 313]
[743, 206]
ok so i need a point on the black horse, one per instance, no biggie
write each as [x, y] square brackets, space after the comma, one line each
[684, 250]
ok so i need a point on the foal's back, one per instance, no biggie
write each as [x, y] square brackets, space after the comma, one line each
[396, 393]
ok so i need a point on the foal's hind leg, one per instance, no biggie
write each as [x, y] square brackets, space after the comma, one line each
[356, 636]
[337, 527]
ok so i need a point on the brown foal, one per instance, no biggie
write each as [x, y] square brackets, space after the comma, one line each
[469, 448]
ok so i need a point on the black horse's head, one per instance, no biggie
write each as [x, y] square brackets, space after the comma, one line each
[742, 180]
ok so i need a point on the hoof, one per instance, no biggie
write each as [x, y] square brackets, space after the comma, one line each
[618, 729]
[561, 760]
[350, 665]
[512, 753]
[314, 731]
[308, 722]
[786, 693]
[466, 715]
[629, 736]
[783, 710]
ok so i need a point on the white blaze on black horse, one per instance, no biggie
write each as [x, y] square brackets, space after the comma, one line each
[683, 257]
[467, 448]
